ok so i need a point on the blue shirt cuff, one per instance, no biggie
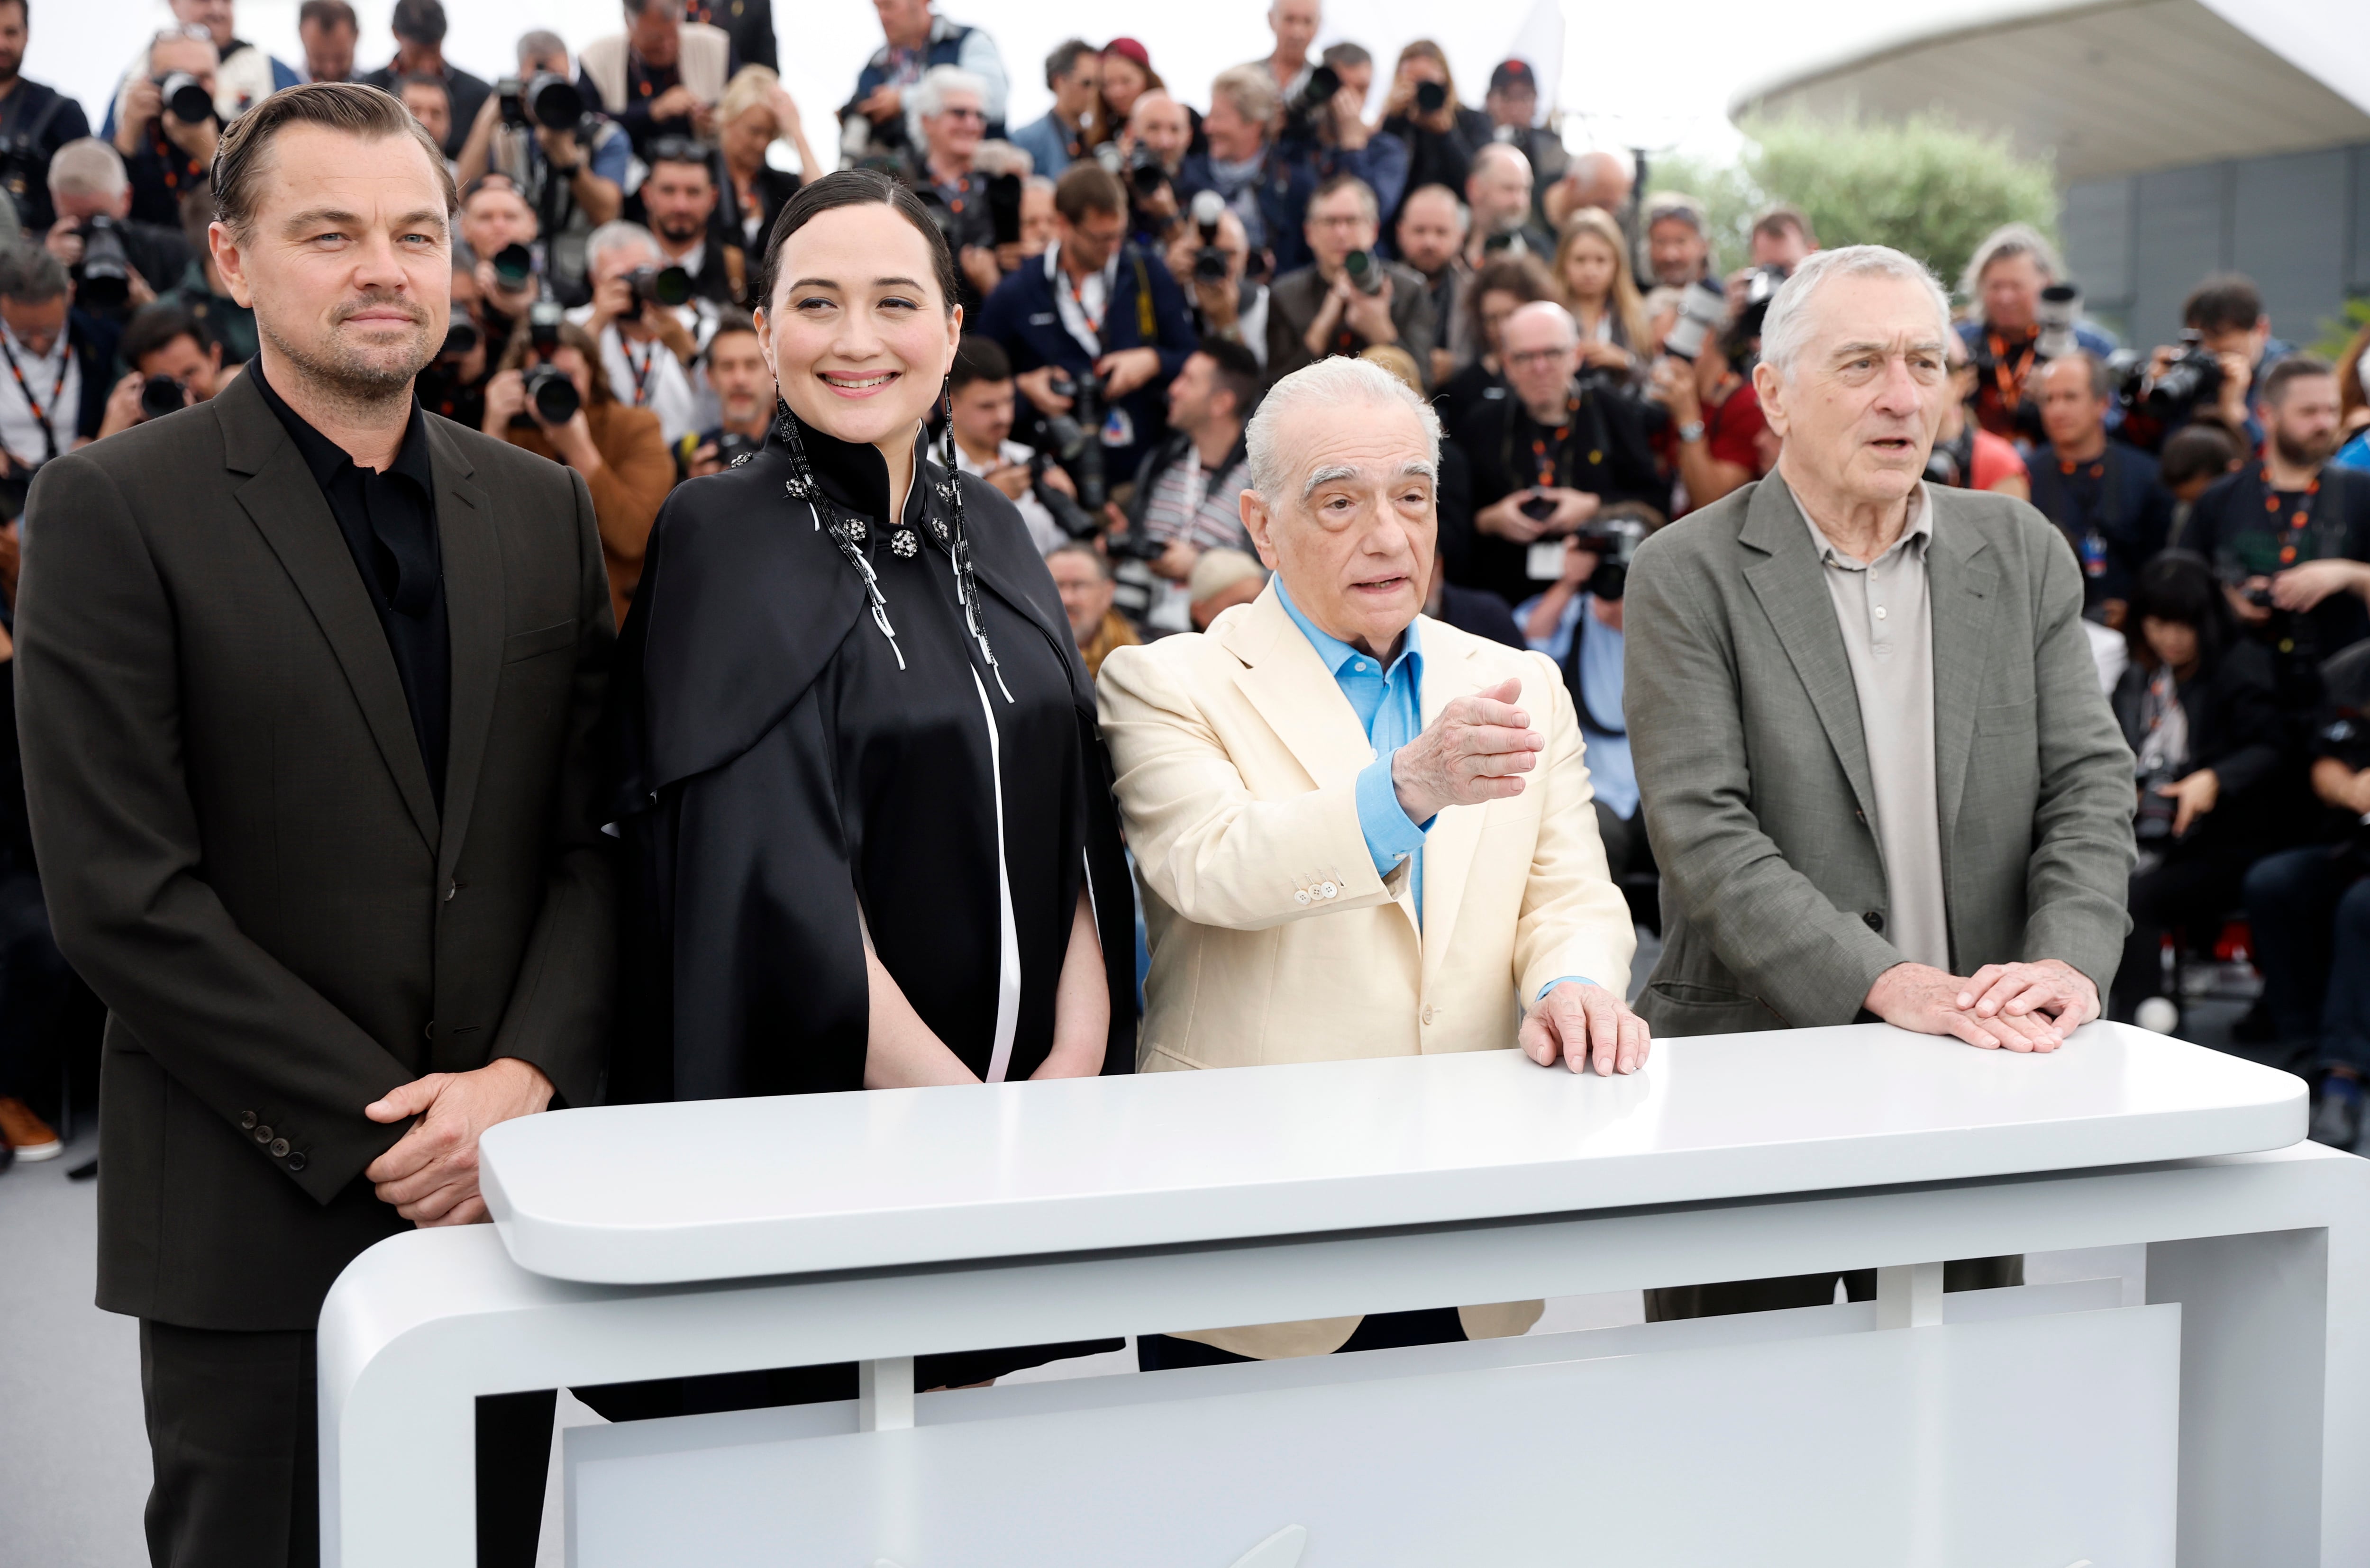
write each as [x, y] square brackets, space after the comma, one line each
[1390, 835]
[1577, 980]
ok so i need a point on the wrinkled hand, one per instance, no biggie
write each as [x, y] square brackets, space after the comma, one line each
[1476, 750]
[2049, 987]
[2192, 797]
[881, 105]
[1926, 1000]
[64, 241]
[1584, 1023]
[430, 1175]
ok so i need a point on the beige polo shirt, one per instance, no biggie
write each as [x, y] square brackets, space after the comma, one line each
[1884, 611]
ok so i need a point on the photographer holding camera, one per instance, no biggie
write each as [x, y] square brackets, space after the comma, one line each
[173, 367]
[1210, 253]
[744, 395]
[118, 263]
[551, 397]
[55, 370]
[643, 325]
[661, 77]
[1152, 148]
[1713, 443]
[1325, 123]
[1512, 105]
[35, 121]
[1349, 299]
[1187, 492]
[875, 123]
[2024, 318]
[983, 403]
[949, 121]
[568, 166]
[167, 131]
[679, 198]
[1423, 110]
[1267, 186]
[2217, 368]
[1098, 315]
[1549, 455]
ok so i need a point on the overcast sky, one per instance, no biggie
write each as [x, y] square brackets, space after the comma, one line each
[1631, 75]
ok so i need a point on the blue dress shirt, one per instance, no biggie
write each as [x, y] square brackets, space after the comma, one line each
[1390, 706]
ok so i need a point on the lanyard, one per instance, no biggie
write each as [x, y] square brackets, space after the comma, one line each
[641, 370]
[2299, 521]
[40, 415]
[2009, 382]
[176, 165]
[1077, 294]
[1548, 454]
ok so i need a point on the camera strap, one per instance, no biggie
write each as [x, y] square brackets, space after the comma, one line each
[641, 370]
[40, 415]
[1589, 723]
[2299, 522]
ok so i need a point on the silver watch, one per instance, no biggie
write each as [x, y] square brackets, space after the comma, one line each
[1692, 431]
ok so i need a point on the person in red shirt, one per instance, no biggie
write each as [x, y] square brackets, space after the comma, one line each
[1966, 454]
[1713, 443]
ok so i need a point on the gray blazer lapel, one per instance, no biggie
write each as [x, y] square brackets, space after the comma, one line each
[1962, 578]
[288, 508]
[1790, 583]
[473, 611]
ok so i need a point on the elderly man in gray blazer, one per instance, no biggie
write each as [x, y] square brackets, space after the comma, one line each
[1877, 770]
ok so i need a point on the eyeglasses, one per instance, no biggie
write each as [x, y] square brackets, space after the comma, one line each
[1537, 356]
[962, 114]
[1339, 221]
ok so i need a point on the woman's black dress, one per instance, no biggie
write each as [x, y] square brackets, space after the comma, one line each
[793, 777]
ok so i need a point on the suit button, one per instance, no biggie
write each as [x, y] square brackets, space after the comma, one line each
[246, 1123]
[430, 1032]
[1875, 919]
[279, 1148]
[263, 1135]
[1330, 890]
[1427, 1015]
[296, 1161]
[1301, 897]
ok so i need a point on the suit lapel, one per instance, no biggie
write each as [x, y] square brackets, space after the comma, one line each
[1448, 848]
[473, 611]
[287, 507]
[1296, 694]
[1789, 582]
[1961, 578]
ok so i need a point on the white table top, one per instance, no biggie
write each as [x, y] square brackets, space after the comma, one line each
[721, 1189]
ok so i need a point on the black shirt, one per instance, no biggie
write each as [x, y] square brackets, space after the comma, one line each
[2248, 531]
[388, 518]
[41, 119]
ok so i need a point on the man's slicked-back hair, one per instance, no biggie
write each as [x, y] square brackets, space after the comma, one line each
[1336, 382]
[370, 113]
[1787, 328]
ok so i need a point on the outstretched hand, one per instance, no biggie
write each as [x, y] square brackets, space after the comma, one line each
[1477, 749]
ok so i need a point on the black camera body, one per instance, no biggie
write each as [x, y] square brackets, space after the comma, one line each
[732, 446]
[1145, 173]
[2194, 376]
[1077, 436]
[1614, 541]
[1300, 114]
[1366, 270]
[1431, 97]
[103, 277]
[549, 390]
[186, 98]
[160, 396]
[542, 99]
[668, 286]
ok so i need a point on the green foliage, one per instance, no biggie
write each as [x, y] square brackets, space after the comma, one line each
[2337, 331]
[1929, 186]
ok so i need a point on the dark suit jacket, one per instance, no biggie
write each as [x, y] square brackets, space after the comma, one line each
[242, 854]
[2234, 728]
[1751, 757]
[1293, 300]
[2136, 515]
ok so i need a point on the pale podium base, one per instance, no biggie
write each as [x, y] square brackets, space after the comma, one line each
[2224, 1422]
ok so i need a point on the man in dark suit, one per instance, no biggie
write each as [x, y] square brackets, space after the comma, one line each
[1348, 299]
[1095, 301]
[2102, 495]
[306, 682]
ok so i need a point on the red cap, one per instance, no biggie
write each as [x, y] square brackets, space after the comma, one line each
[1127, 48]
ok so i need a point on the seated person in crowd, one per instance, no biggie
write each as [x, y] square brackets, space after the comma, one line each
[161, 341]
[618, 449]
[2310, 909]
[744, 394]
[166, 156]
[1577, 622]
[1082, 575]
[1230, 305]
[2101, 493]
[946, 109]
[2290, 536]
[678, 197]
[1678, 239]
[661, 77]
[1096, 303]
[1348, 299]
[1714, 442]
[1559, 445]
[1187, 494]
[88, 182]
[64, 360]
[453, 384]
[1159, 128]
[494, 218]
[2196, 707]
[1291, 813]
[1965, 454]
[1222, 579]
[576, 173]
[2226, 313]
[983, 403]
[1493, 294]
[1497, 194]
[2194, 456]
[1036, 219]
[649, 352]
[1949, 846]
[1430, 238]
[1512, 105]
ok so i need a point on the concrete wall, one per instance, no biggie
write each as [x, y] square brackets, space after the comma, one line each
[2298, 224]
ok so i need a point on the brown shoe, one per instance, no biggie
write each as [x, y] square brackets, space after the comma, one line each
[28, 1134]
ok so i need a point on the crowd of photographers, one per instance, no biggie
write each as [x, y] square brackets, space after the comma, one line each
[1136, 268]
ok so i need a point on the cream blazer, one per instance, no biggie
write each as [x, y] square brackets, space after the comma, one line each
[1273, 939]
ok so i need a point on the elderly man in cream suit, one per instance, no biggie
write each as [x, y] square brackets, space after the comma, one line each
[1361, 831]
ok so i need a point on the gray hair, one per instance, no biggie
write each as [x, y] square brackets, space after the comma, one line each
[1250, 90]
[617, 234]
[1337, 380]
[87, 166]
[1666, 205]
[1787, 328]
[540, 44]
[929, 93]
[2009, 239]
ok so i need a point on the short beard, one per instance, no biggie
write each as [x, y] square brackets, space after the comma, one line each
[690, 231]
[348, 380]
[2297, 455]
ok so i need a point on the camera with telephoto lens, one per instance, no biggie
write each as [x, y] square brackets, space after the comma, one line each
[103, 276]
[542, 99]
[461, 339]
[668, 286]
[1211, 262]
[1314, 95]
[1366, 270]
[513, 265]
[160, 396]
[186, 98]
[1077, 436]
[1759, 289]
[1431, 97]
[2060, 307]
[1145, 173]
[1612, 537]
[2152, 822]
[549, 391]
[1703, 311]
[1073, 519]
[2194, 376]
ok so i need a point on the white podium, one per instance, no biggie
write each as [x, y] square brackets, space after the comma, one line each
[2223, 1420]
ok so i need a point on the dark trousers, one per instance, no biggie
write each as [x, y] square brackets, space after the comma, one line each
[1378, 1330]
[2294, 903]
[1814, 1289]
[232, 1439]
[2195, 884]
[34, 983]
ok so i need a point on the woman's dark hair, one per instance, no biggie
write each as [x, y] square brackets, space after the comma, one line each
[2179, 586]
[855, 188]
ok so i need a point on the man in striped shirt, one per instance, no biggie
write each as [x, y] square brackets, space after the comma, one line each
[1186, 493]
